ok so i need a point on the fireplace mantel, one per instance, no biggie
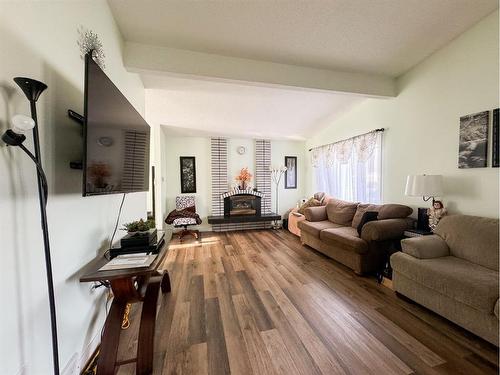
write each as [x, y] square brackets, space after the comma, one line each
[238, 191]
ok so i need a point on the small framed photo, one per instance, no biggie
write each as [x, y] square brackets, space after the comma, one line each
[188, 174]
[291, 172]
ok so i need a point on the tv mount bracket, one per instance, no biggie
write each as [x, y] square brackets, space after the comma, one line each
[76, 164]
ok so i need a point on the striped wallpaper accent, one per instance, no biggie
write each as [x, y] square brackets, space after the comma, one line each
[262, 173]
[220, 185]
[219, 174]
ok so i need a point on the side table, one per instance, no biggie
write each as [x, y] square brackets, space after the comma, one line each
[385, 274]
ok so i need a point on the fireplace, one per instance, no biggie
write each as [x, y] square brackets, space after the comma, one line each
[242, 203]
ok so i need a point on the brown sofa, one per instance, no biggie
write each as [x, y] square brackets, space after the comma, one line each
[454, 272]
[332, 230]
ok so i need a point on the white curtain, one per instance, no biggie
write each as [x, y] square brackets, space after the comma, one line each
[351, 169]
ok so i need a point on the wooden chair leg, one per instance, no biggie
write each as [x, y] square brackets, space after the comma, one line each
[145, 344]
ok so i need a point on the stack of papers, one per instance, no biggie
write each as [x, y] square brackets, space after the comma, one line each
[129, 261]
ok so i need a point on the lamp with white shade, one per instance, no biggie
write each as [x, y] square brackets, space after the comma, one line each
[425, 186]
[428, 187]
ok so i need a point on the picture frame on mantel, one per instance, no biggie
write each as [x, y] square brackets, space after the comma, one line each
[495, 157]
[188, 174]
[291, 172]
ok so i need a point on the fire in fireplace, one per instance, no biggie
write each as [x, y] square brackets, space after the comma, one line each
[242, 204]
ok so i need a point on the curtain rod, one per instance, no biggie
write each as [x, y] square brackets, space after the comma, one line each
[359, 135]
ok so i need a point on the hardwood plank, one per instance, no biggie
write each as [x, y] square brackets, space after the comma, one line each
[196, 297]
[304, 363]
[259, 312]
[218, 362]
[235, 344]
[259, 357]
[281, 358]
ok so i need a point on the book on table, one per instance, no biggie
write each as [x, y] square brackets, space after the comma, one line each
[124, 261]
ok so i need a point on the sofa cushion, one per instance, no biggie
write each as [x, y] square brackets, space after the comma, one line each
[314, 227]
[394, 211]
[311, 202]
[472, 238]
[347, 236]
[466, 282]
[366, 218]
[315, 213]
[341, 212]
[360, 210]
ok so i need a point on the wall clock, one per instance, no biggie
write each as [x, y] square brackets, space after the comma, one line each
[105, 141]
[241, 150]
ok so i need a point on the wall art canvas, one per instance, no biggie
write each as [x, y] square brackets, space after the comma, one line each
[188, 174]
[473, 146]
[495, 162]
[291, 172]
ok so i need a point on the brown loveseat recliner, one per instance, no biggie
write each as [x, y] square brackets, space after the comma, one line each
[454, 272]
[332, 230]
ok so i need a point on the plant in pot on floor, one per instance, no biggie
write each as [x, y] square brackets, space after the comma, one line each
[139, 227]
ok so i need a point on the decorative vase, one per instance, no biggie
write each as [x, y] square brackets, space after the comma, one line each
[243, 185]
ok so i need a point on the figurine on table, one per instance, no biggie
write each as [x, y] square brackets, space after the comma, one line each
[435, 213]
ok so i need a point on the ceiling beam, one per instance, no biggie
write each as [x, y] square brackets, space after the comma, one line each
[141, 58]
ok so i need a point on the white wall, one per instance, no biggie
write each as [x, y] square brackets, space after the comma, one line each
[288, 198]
[172, 147]
[422, 123]
[38, 40]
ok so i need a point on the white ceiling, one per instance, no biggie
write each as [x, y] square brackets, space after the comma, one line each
[383, 37]
[372, 36]
[200, 107]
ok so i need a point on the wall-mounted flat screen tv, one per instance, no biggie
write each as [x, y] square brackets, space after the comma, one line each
[116, 138]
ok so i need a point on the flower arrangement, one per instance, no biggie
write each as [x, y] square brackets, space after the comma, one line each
[244, 177]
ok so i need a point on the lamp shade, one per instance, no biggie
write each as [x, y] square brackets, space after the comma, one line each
[424, 185]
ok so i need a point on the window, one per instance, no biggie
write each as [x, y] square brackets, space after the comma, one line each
[350, 169]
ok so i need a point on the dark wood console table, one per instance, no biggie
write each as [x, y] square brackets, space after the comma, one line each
[130, 285]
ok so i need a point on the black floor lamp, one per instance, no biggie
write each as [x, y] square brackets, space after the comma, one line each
[15, 137]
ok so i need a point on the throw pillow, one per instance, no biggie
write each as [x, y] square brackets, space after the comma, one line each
[310, 203]
[341, 212]
[367, 217]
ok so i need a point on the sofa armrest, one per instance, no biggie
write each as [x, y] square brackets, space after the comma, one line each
[386, 229]
[317, 213]
[425, 247]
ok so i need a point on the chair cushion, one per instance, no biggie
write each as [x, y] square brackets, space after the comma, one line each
[341, 212]
[459, 279]
[184, 221]
[472, 238]
[360, 210]
[315, 227]
[347, 236]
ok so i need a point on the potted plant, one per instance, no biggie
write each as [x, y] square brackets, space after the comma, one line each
[244, 178]
[139, 227]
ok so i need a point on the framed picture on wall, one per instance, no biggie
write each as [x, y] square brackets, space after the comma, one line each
[188, 174]
[495, 162]
[473, 143]
[291, 172]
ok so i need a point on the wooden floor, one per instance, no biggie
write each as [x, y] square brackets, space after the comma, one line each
[258, 302]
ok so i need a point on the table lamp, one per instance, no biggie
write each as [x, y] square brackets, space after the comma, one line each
[425, 186]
